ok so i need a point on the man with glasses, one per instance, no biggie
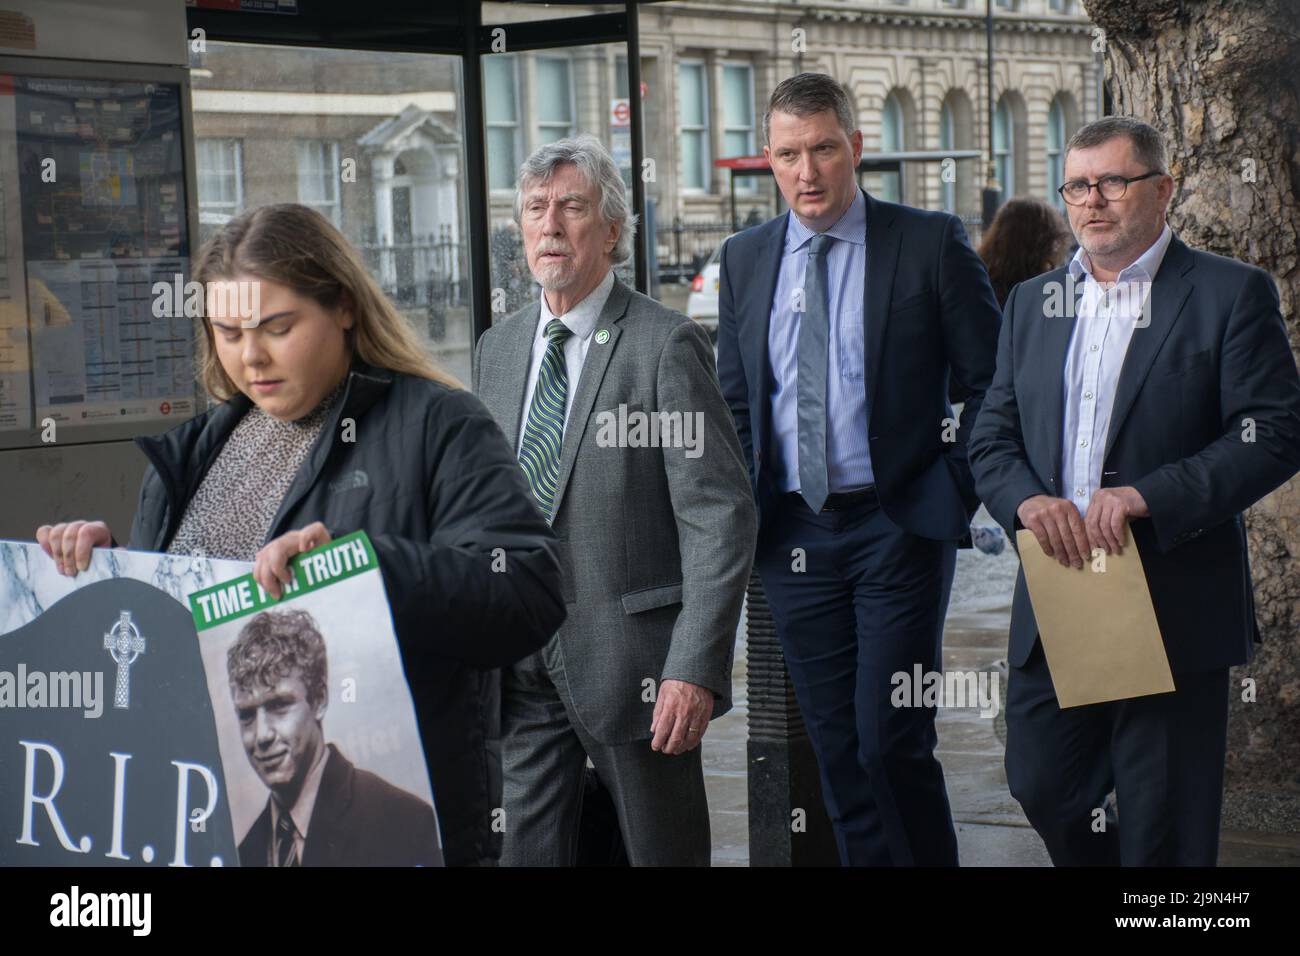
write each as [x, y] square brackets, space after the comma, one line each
[1163, 399]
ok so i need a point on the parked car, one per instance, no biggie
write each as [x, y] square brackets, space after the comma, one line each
[702, 305]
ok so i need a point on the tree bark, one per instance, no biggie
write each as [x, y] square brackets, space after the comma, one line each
[1221, 80]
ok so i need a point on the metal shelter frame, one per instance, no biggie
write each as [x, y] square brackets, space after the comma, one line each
[451, 28]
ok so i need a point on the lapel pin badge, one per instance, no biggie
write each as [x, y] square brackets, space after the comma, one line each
[602, 336]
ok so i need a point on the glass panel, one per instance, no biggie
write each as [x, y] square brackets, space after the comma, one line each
[620, 77]
[499, 89]
[947, 140]
[1055, 157]
[736, 144]
[1002, 150]
[501, 157]
[554, 103]
[570, 94]
[889, 187]
[691, 94]
[316, 181]
[693, 160]
[891, 130]
[388, 169]
[498, 13]
[218, 174]
[737, 105]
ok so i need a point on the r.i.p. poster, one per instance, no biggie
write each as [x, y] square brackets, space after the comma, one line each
[161, 709]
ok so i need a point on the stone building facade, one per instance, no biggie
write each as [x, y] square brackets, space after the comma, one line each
[376, 140]
[915, 70]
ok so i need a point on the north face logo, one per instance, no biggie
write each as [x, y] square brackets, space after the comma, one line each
[353, 479]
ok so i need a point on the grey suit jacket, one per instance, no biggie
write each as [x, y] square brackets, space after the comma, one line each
[656, 546]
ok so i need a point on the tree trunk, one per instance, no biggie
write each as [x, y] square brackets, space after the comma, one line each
[1221, 80]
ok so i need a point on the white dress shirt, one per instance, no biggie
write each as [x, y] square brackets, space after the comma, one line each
[581, 321]
[300, 813]
[1102, 332]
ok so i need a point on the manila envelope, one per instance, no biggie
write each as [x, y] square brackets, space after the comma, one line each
[1098, 628]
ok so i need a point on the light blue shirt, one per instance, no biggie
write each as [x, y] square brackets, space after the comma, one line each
[848, 456]
[1104, 327]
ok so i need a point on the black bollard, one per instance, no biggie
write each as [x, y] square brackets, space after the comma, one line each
[788, 825]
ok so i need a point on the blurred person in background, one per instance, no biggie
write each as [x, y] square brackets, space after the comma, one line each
[1027, 238]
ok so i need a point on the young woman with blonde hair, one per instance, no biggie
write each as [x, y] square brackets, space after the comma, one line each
[331, 418]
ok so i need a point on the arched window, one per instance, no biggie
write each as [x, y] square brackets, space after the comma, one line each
[959, 181]
[1055, 153]
[891, 141]
[1004, 149]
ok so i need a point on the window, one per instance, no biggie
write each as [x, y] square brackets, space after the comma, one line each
[693, 111]
[738, 118]
[891, 141]
[947, 140]
[620, 78]
[501, 116]
[1061, 6]
[737, 110]
[220, 175]
[1012, 5]
[318, 177]
[554, 99]
[406, 211]
[1055, 153]
[1003, 150]
[957, 4]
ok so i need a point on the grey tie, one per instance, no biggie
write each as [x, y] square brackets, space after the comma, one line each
[814, 331]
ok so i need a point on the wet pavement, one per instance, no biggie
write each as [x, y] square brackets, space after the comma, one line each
[991, 829]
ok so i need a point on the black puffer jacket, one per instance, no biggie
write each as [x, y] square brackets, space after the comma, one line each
[430, 478]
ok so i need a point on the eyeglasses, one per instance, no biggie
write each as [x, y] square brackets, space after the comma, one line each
[1076, 191]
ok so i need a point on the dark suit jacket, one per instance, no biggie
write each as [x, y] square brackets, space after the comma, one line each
[1214, 355]
[359, 820]
[928, 313]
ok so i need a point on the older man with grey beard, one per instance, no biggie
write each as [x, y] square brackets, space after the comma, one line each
[656, 527]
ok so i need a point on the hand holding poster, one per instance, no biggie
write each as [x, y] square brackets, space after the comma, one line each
[275, 670]
[229, 729]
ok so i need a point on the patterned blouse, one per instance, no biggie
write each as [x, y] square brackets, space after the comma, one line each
[232, 510]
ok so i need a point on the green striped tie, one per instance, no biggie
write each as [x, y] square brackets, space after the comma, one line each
[539, 453]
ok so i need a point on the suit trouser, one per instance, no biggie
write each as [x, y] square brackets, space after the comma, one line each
[663, 812]
[1163, 755]
[869, 604]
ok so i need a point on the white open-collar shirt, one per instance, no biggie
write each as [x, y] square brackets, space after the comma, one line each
[1104, 327]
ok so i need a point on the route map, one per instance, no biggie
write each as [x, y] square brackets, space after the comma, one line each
[101, 171]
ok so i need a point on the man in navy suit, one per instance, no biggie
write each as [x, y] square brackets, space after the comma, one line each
[839, 328]
[1146, 387]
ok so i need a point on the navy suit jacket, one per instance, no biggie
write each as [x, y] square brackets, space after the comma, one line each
[359, 820]
[1214, 355]
[928, 313]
